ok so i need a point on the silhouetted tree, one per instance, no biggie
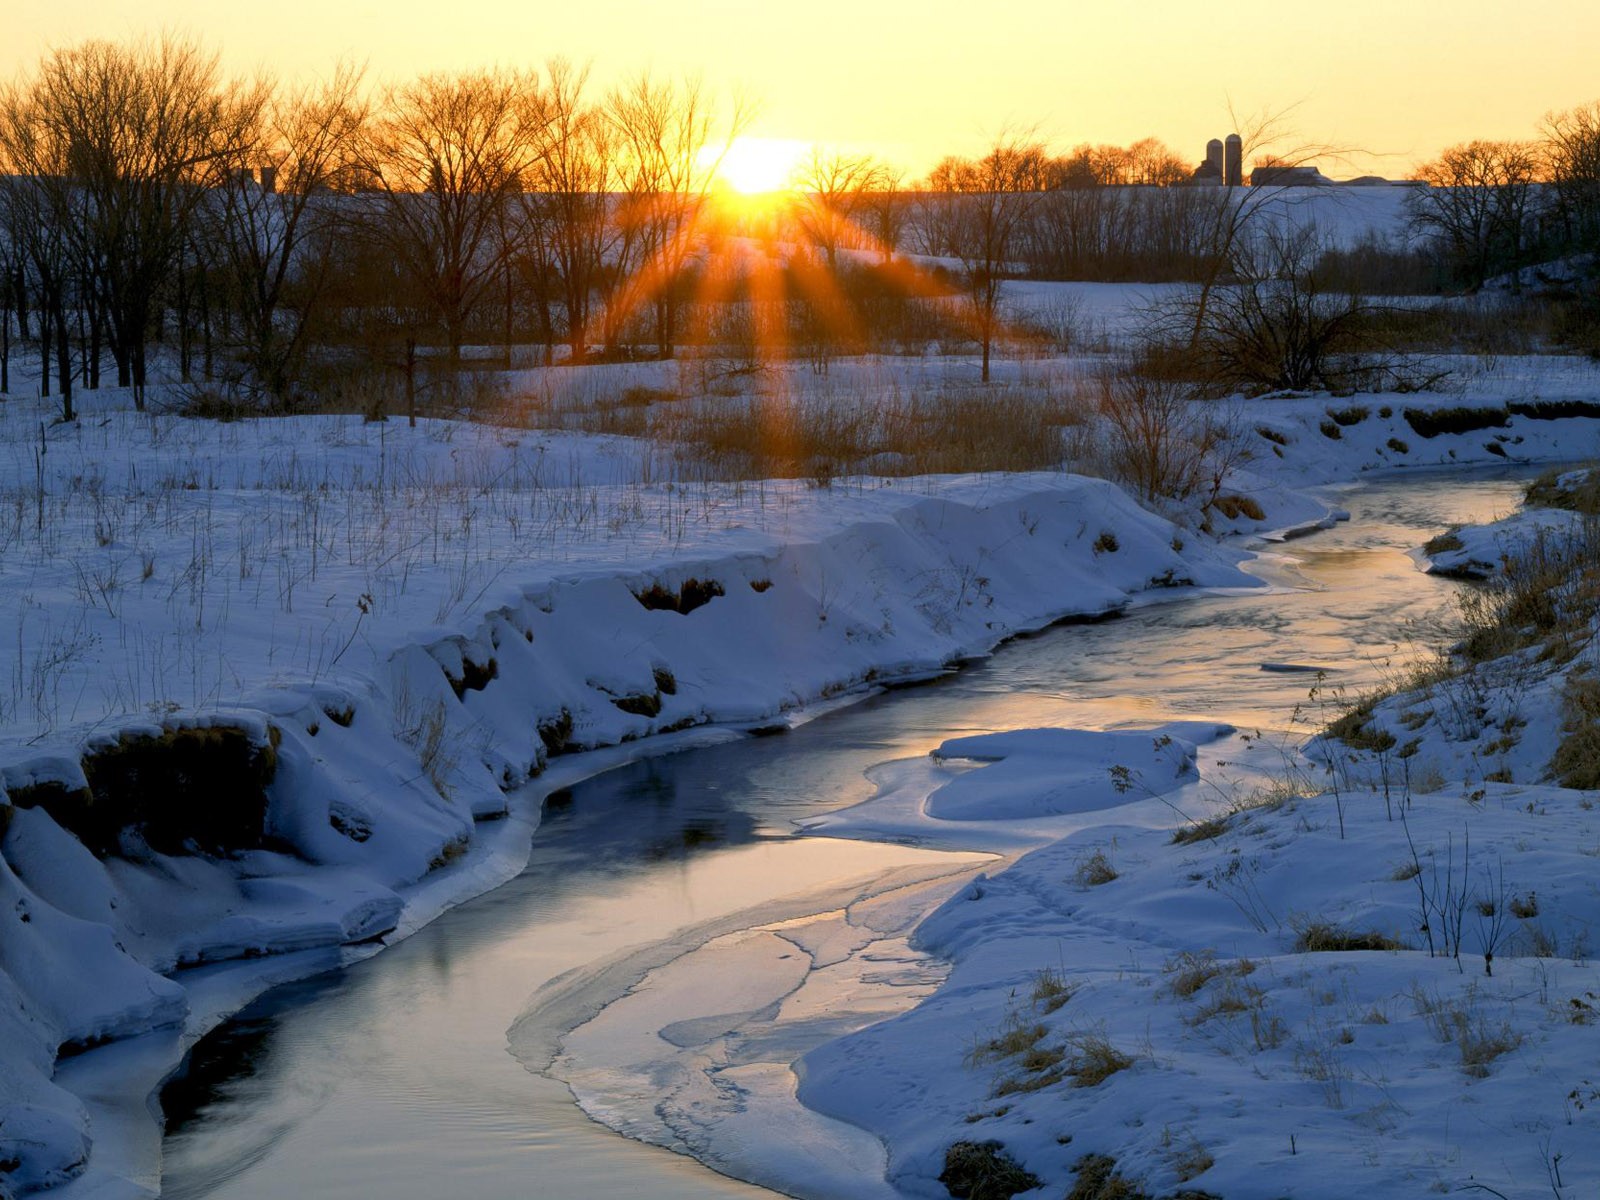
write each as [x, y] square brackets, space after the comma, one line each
[274, 231]
[980, 209]
[834, 189]
[1572, 151]
[570, 194]
[672, 137]
[444, 157]
[126, 138]
[1479, 205]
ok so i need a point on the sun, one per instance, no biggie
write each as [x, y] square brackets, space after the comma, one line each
[755, 166]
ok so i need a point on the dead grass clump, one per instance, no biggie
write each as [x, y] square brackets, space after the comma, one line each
[640, 704]
[1016, 1037]
[1205, 830]
[1051, 990]
[1093, 870]
[1091, 1059]
[1190, 1160]
[1478, 1039]
[1233, 507]
[984, 1171]
[1190, 971]
[1320, 937]
[1442, 543]
[1579, 493]
[1357, 729]
[1097, 1179]
[1576, 763]
[1353, 415]
[1548, 596]
[1231, 998]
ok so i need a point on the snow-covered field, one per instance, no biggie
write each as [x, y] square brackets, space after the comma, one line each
[368, 636]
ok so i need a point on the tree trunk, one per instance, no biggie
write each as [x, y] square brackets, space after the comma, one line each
[44, 358]
[63, 362]
[96, 333]
[411, 381]
[183, 325]
[136, 356]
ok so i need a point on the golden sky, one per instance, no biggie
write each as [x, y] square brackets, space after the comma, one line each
[913, 79]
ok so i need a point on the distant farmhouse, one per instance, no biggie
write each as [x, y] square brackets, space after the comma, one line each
[1224, 167]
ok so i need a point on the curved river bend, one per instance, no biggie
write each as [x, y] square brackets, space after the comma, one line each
[393, 1077]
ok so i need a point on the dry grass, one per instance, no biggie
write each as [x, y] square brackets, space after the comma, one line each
[1051, 990]
[1187, 973]
[778, 434]
[1016, 1037]
[1321, 937]
[1478, 1039]
[1091, 1059]
[1094, 870]
[1580, 494]
[1576, 763]
[1097, 1179]
[984, 1171]
[1205, 830]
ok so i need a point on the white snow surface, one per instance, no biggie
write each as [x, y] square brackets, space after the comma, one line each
[417, 618]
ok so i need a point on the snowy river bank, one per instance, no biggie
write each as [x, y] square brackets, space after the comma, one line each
[397, 1069]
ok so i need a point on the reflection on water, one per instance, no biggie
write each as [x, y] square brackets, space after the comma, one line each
[392, 1078]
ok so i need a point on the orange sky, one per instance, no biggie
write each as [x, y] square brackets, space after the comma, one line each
[913, 79]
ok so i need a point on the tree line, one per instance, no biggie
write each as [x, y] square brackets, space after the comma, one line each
[254, 228]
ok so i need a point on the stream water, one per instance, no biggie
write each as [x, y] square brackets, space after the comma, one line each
[394, 1077]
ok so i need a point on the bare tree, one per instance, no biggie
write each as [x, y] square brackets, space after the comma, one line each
[887, 211]
[673, 137]
[274, 229]
[981, 207]
[446, 155]
[1479, 205]
[568, 202]
[126, 138]
[835, 190]
[34, 214]
[1572, 153]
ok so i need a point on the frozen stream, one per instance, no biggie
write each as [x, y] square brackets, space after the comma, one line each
[395, 1077]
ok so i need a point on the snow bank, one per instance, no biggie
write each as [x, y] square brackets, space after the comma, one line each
[1276, 1005]
[1047, 772]
[342, 793]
